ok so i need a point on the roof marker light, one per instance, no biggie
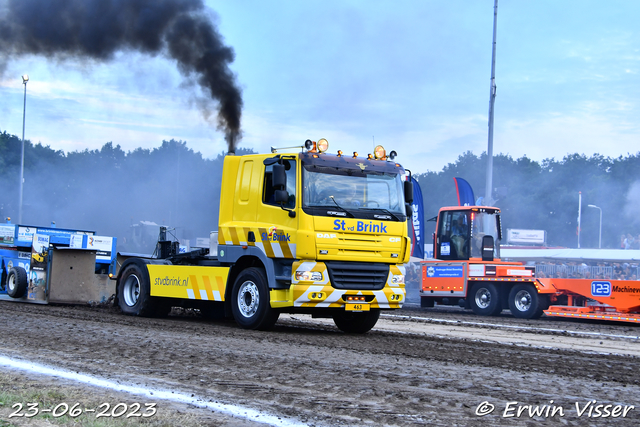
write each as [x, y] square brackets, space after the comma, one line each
[380, 153]
[322, 145]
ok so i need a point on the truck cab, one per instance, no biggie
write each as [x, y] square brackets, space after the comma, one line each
[468, 232]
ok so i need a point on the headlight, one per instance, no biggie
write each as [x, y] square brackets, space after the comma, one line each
[323, 145]
[397, 279]
[309, 276]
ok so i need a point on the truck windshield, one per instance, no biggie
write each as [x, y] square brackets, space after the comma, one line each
[484, 224]
[353, 190]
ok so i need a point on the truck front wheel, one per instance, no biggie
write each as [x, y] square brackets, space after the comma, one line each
[250, 301]
[485, 299]
[17, 282]
[356, 322]
[526, 303]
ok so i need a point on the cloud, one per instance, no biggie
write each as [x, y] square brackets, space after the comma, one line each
[542, 137]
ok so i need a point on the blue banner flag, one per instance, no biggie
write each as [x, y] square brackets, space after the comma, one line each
[465, 192]
[417, 227]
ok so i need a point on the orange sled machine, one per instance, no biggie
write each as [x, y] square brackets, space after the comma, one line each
[467, 271]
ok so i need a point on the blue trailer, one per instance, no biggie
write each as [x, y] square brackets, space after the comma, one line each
[27, 252]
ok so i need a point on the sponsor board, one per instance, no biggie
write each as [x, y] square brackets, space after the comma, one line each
[7, 234]
[188, 282]
[102, 246]
[476, 270]
[444, 271]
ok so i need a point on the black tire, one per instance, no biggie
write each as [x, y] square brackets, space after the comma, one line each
[526, 303]
[356, 322]
[250, 302]
[213, 310]
[17, 282]
[161, 306]
[134, 296]
[485, 299]
[427, 302]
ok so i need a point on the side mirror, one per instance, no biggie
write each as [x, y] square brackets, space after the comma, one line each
[409, 210]
[408, 191]
[279, 177]
[281, 196]
[487, 248]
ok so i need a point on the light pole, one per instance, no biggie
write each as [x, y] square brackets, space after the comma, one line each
[600, 238]
[492, 100]
[25, 79]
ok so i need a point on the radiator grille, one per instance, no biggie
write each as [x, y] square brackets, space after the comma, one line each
[357, 275]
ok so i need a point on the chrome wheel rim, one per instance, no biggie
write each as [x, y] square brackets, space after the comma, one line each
[523, 300]
[131, 290]
[483, 298]
[248, 299]
[11, 283]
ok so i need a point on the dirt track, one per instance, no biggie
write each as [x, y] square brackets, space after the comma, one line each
[406, 372]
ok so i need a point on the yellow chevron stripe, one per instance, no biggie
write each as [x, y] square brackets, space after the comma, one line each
[194, 285]
[246, 235]
[286, 251]
[267, 245]
[221, 287]
[234, 236]
[207, 287]
[221, 236]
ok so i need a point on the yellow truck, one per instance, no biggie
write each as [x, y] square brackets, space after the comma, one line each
[306, 232]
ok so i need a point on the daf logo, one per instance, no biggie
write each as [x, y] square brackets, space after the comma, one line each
[394, 239]
[326, 236]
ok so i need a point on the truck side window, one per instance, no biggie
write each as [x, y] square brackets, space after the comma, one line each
[268, 190]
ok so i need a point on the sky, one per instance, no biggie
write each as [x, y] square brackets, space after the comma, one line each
[411, 75]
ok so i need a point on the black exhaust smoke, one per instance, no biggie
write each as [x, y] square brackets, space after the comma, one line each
[180, 30]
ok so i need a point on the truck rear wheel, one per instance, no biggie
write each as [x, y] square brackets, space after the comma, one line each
[134, 291]
[356, 322]
[214, 310]
[17, 282]
[526, 303]
[250, 301]
[426, 302]
[485, 299]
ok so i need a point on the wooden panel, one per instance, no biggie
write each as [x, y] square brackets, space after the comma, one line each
[72, 278]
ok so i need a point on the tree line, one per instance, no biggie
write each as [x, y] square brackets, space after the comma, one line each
[545, 195]
[108, 190]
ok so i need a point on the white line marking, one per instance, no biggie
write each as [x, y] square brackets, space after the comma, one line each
[201, 402]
